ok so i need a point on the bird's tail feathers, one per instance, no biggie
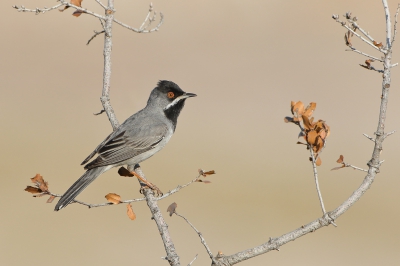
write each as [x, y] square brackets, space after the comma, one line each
[88, 177]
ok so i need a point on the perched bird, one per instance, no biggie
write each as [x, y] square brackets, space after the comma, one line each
[137, 139]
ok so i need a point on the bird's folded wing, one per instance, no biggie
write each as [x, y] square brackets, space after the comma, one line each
[127, 144]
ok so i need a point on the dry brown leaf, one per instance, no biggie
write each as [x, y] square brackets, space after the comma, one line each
[299, 142]
[306, 123]
[130, 212]
[347, 39]
[40, 183]
[76, 2]
[122, 171]
[33, 190]
[341, 159]
[50, 200]
[297, 108]
[77, 13]
[311, 137]
[212, 172]
[337, 168]
[113, 198]
[171, 208]
[203, 181]
[310, 109]
[318, 161]
[379, 45]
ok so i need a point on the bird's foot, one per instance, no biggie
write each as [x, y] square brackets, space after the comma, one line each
[156, 190]
[146, 184]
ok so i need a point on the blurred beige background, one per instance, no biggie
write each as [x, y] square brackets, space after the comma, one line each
[246, 60]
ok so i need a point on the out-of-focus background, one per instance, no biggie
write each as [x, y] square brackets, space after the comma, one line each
[246, 60]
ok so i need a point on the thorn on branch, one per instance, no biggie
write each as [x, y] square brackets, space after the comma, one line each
[99, 113]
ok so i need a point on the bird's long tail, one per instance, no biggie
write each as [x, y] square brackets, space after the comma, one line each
[88, 177]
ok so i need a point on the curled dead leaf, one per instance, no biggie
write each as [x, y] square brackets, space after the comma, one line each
[130, 213]
[40, 183]
[171, 208]
[50, 200]
[211, 172]
[310, 109]
[122, 171]
[379, 45]
[340, 160]
[337, 168]
[113, 198]
[318, 162]
[33, 190]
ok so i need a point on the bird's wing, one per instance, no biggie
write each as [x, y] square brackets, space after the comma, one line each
[127, 144]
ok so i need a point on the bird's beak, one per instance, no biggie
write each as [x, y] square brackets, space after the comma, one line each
[188, 94]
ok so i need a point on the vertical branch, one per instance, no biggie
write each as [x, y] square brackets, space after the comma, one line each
[316, 180]
[162, 226]
[105, 99]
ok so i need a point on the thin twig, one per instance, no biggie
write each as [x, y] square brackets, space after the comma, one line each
[141, 31]
[336, 18]
[388, 134]
[352, 49]
[366, 34]
[354, 167]
[37, 10]
[203, 241]
[368, 137]
[316, 180]
[395, 23]
[394, 65]
[193, 260]
[94, 36]
[102, 5]
[173, 191]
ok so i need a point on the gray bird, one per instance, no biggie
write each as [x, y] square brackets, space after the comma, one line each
[137, 139]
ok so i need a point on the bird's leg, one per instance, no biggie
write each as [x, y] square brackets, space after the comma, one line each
[147, 184]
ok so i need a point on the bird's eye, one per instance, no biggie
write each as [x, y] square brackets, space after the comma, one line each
[170, 95]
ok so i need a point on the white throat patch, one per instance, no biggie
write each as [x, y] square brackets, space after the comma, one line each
[175, 101]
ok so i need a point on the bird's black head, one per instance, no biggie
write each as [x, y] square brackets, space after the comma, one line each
[170, 98]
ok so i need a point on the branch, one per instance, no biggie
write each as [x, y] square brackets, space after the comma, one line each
[336, 18]
[142, 30]
[316, 179]
[395, 23]
[37, 10]
[203, 241]
[373, 169]
[352, 49]
[193, 260]
[354, 167]
[172, 256]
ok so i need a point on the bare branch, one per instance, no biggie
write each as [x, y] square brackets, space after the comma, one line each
[395, 23]
[173, 191]
[368, 137]
[336, 18]
[388, 134]
[94, 36]
[203, 241]
[352, 49]
[193, 260]
[144, 30]
[354, 167]
[316, 179]
[172, 256]
[102, 5]
[84, 10]
[37, 10]
[388, 25]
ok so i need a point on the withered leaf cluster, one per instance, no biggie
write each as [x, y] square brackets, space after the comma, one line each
[116, 199]
[41, 188]
[314, 133]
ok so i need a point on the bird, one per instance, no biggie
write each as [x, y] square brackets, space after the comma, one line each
[138, 138]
